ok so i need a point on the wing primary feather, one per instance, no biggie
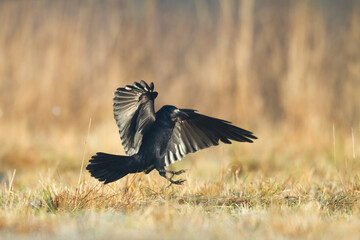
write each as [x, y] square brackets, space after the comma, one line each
[133, 111]
[197, 132]
[144, 85]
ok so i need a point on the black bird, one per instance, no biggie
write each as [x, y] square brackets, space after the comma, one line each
[155, 140]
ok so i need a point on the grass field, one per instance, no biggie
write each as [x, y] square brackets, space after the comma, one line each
[287, 70]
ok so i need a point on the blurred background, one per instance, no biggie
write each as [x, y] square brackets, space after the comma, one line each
[287, 70]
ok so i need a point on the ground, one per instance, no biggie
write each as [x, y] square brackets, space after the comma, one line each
[220, 200]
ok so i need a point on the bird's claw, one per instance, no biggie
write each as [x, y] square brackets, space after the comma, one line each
[180, 172]
[177, 182]
[173, 173]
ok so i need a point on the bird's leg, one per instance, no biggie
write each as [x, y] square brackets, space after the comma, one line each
[177, 172]
[149, 169]
[163, 172]
[173, 172]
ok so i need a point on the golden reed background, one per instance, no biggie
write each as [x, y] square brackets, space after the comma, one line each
[287, 70]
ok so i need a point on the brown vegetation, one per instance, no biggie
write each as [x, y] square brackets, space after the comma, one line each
[287, 70]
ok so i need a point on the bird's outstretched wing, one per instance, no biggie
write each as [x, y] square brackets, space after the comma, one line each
[194, 132]
[134, 112]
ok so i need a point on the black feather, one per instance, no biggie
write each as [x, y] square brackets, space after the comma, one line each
[154, 140]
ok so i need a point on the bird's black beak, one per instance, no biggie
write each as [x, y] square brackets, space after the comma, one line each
[180, 114]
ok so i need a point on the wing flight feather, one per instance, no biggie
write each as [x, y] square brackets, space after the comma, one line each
[197, 131]
[133, 113]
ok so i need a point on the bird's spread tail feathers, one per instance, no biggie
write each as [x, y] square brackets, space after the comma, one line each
[108, 168]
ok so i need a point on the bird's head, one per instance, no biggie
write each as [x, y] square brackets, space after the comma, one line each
[171, 113]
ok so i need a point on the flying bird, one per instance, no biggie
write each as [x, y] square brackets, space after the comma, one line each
[154, 140]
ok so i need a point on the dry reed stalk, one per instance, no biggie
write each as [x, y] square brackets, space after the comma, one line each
[353, 142]
[334, 144]
[82, 163]
[11, 181]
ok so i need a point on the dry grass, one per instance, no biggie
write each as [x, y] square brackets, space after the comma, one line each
[143, 207]
[287, 70]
